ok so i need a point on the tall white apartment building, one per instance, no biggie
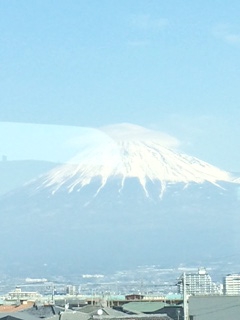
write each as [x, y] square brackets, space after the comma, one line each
[231, 284]
[197, 283]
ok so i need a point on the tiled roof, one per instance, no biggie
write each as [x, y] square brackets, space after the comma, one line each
[10, 309]
[143, 307]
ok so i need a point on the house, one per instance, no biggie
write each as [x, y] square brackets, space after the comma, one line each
[134, 297]
[153, 307]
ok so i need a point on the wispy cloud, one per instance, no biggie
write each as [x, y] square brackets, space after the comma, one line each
[147, 22]
[227, 33]
[128, 131]
[145, 29]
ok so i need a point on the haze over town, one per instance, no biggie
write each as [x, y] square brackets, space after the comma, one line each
[119, 152]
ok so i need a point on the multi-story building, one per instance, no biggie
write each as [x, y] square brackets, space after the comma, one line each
[18, 294]
[231, 284]
[197, 283]
[71, 290]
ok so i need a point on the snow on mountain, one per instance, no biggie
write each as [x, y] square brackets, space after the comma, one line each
[99, 216]
[129, 151]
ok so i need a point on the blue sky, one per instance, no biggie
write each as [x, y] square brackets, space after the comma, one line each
[171, 66]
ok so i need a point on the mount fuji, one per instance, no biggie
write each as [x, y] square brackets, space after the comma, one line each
[122, 157]
[125, 199]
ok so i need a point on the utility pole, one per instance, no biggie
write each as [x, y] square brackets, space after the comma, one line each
[185, 298]
[178, 314]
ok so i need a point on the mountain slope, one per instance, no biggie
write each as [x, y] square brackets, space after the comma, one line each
[14, 174]
[121, 157]
[124, 201]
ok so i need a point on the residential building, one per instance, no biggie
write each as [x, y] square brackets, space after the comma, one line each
[71, 290]
[18, 294]
[197, 283]
[231, 284]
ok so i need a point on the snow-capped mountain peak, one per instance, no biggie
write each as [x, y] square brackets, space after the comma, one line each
[123, 154]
